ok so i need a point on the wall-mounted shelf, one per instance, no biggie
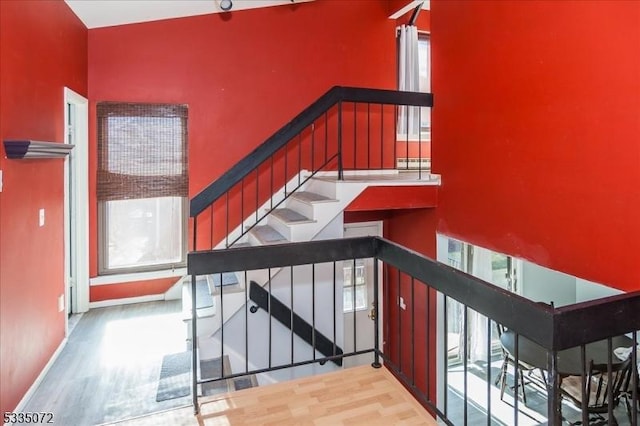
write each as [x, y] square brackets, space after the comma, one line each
[26, 149]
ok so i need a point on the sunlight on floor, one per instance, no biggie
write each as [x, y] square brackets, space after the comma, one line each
[503, 411]
[142, 340]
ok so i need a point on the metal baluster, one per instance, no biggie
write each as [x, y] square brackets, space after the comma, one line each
[554, 413]
[194, 355]
[381, 136]
[271, 184]
[446, 355]
[291, 315]
[406, 166]
[340, 169]
[241, 208]
[246, 323]
[286, 159]
[413, 338]
[221, 325]
[211, 242]
[376, 323]
[488, 371]
[299, 157]
[399, 323]
[326, 136]
[334, 308]
[313, 152]
[419, 143]
[226, 220]
[634, 379]
[257, 194]
[516, 374]
[353, 294]
[313, 309]
[269, 306]
[368, 136]
[583, 398]
[355, 139]
[395, 137]
[465, 316]
[610, 377]
[428, 342]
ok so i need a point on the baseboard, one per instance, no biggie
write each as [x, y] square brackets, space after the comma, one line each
[126, 301]
[21, 405]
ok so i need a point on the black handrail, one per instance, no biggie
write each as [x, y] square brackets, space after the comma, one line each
[294, 322]
[280, 138]
[553, 328]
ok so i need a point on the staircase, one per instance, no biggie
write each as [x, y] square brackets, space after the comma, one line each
[294, 188]
[313, 212]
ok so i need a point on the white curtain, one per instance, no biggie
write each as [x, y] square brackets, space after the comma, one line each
[481, 268]
[409, 78]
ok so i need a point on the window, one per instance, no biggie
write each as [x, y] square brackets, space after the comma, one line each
[355, 286]
[414, 74]
[142, 186]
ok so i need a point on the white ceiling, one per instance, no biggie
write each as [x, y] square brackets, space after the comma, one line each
[106, 13]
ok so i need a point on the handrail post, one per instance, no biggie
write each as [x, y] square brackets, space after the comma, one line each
[340, 168]
[554, 410]
[374, 311]
[194, 355]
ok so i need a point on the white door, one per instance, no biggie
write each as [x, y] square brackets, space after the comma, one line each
[358, 297]
[76, 204]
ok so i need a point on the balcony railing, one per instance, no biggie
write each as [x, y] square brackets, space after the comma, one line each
[408, 335]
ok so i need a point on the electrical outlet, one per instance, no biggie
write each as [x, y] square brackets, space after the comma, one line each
[61, 303]
[41, 217]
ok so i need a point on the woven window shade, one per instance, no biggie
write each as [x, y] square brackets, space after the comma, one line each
[142, 151]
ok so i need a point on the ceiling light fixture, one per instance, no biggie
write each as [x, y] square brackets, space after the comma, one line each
[226, 5]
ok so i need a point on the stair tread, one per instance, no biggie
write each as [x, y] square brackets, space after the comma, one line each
[290, 216]
[267, 235]
[310, 197]
[239, 245]
[228, 278]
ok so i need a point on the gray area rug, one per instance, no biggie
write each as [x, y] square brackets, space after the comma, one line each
[175, 376]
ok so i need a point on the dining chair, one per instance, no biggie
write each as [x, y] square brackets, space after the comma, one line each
[509, 360]
[597, 387]
[627, 394]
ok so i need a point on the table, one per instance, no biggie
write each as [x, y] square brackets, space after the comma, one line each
[569, 360]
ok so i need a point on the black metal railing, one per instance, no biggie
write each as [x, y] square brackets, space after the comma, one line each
[347, 128]
[414, 296]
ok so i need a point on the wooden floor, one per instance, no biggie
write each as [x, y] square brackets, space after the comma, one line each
[109, 368]
[354, 396]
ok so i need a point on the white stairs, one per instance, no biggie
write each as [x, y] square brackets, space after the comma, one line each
[313, 212]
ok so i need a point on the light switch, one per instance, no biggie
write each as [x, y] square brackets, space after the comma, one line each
[41, 217]
[61, 303]
[402, 304]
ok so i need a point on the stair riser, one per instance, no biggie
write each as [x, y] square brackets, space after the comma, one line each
[305, 209]
[322, 187]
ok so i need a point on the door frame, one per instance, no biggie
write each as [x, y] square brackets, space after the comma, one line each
[76, 205]
[376, 231]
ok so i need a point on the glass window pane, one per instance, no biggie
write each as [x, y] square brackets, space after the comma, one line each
[144, 232]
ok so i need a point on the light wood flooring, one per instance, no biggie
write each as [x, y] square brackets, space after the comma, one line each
[354, 396]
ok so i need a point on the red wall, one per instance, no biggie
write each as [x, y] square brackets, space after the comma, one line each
[412, 357]
[43, 47]
[536, 131]
[243, 76]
